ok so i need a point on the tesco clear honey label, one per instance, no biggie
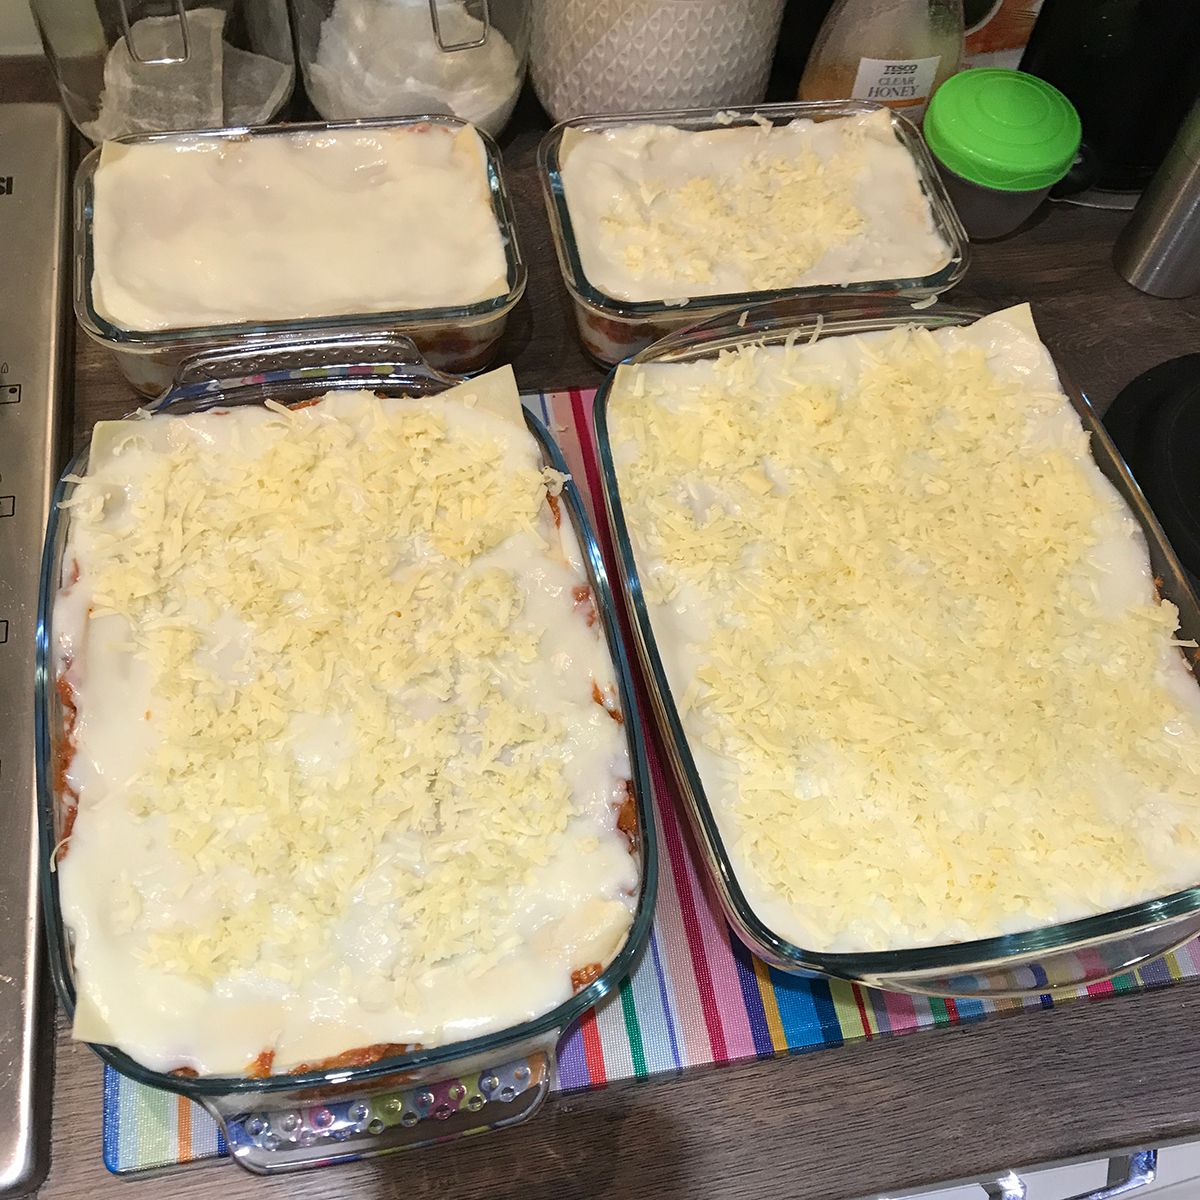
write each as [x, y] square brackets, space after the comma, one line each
[898, 83]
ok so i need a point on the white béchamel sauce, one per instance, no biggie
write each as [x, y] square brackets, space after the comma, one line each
[662, 213]
[194, 232]
[913, 636]
[351, 786]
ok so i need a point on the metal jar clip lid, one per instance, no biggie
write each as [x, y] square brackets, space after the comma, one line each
[162, 60]
[450, 47]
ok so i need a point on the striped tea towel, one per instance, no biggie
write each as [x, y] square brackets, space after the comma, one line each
[698, 996]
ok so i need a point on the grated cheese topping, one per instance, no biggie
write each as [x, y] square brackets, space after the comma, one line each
[912, 634]
[366, 794]
[659, 212]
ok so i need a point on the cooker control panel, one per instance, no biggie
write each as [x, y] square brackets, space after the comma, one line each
[33, 337]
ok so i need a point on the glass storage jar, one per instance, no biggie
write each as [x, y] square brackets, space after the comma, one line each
[151, 66]
[392, 58]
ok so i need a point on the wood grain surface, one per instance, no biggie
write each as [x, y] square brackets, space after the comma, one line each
[945, 1104]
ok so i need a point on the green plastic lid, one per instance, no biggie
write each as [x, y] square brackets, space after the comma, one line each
[1002, 129]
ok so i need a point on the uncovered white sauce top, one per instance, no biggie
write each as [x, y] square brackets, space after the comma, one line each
[342, 776]
[192, 232]
[661, 213]
[912, 633]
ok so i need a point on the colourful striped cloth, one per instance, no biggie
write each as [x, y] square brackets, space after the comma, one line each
[698, 996]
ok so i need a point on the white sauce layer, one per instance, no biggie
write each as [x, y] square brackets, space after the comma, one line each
[420, 845]
[661, 213]
[913, 636]
[192, 232]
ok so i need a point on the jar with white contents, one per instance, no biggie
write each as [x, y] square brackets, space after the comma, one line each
[150, 66]
[390, 58]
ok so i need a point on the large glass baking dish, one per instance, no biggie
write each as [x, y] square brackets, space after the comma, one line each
[290, 1122]
[457, 339]
[1022, 964]
[611, 329]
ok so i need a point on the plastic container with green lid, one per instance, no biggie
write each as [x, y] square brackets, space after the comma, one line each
[1001, 140]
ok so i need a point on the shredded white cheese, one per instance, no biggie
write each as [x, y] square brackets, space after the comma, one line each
[774, 218]
[659, 212]
[346, 640]
[912, 635]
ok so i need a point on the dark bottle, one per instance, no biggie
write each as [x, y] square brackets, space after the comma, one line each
[1132, 70]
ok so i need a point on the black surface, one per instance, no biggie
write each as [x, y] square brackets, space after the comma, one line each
[1132, 70]
[1155, 423]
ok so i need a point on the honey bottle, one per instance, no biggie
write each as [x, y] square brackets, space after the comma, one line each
[898, 52]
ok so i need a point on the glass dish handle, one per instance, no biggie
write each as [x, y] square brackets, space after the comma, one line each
[295, 1131]
[1126, 1174]
[284, 356]
[806, 315]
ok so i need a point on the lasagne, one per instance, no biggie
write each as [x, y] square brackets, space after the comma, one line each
[912, 633]
[662, 213]
[194, 231]
[344, 763]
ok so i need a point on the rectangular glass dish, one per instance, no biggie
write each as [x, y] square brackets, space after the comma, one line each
[292, 1121]
[612, 328]
[458, 339]
[1032, 962]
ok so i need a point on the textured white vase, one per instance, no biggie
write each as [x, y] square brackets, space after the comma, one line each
[606, 56]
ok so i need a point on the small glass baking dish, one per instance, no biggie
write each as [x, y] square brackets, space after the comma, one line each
[291, 1122]
[456, 339]
[611, 329]
[1063, 956]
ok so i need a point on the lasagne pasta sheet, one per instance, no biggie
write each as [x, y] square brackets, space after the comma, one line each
[195, 231]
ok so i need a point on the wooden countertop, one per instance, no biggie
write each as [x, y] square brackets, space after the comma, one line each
[1083, 1079]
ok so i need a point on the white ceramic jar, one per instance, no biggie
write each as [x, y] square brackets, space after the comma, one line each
[605, 56]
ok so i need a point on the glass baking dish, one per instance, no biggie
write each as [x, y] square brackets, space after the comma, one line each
[459, 339]
[1023, 964]
[291, 1122]
[611, 329]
